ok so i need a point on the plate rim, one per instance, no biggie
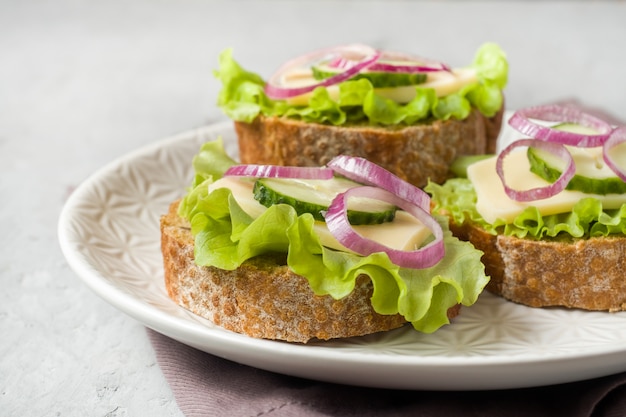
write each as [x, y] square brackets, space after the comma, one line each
[188, 332]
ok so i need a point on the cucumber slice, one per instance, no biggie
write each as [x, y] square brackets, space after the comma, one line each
[592, 175]
[314, 197]
[575, 128]
[378, 79]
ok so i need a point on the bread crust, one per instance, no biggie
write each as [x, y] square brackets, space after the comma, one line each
[581, 273]
[414, 153]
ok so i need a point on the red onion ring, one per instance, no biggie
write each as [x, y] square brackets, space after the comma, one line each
[276, 91]
[617, 137]
[339, 226]
[555, 113]
[409, 63]
[540, 192]
[276, 171]
[366, 172]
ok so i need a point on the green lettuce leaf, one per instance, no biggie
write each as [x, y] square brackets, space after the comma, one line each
[492, 68]
[225, 237]
[209, 164]
[587, 218]
[242, 97]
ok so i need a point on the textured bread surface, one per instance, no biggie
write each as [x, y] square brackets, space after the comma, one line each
[579, 273]
[414, 153]
[263, 298]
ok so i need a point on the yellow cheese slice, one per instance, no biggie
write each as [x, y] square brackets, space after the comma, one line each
[242, 189]
[493, 203]
[589, 162]
[405, 232]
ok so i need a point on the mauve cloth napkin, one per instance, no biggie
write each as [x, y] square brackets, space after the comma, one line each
[206, 385]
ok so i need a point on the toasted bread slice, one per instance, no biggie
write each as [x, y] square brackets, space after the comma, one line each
[263, 298]
[577, 273]
[414, 153]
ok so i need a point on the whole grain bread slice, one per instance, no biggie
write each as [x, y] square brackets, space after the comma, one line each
[263, 298]
[580, 273]
[414, 153]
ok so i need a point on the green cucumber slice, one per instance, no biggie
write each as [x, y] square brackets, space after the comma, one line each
[575, 128]
[314, 197]
[592, 175]
[378, 79]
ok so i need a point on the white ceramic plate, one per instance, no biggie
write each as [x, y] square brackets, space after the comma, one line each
[109, 233]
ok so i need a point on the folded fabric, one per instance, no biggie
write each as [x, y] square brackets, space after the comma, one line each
[206, 385]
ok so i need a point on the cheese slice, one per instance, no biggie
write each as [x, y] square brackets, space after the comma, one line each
[242, 190]
[405, 232]
[492, 202]
[590, 162]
